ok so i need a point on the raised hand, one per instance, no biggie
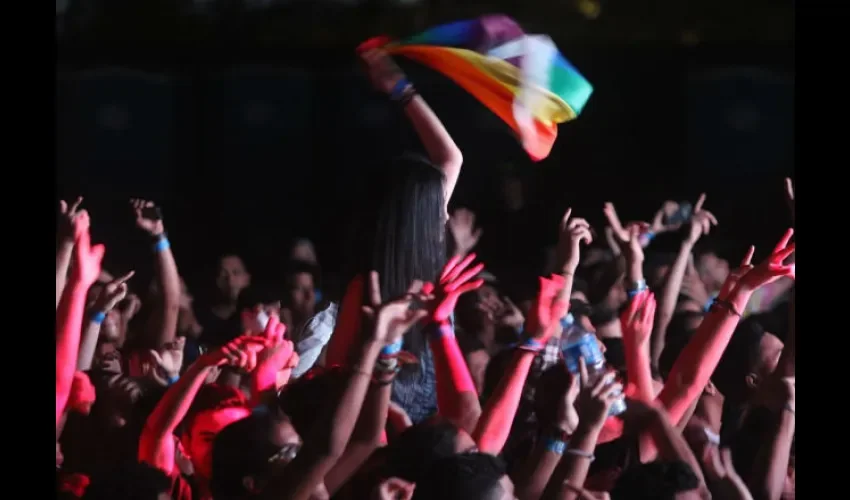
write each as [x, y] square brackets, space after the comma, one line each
[594, 401]
[383, 72]
[240, 353]
[70, 227]
[638, 318]
[278, 353]
[658, 226]
[168, 360]
[572, 233]
[772, 268]
[148, 217]
[548, 309]
[114, 292]
[87, 258]
[454, 282]
[736, 274]
[462, 226]
[390, 320]
[700, 222]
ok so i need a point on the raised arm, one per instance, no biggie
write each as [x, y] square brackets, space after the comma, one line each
[65, 243]
[372, 421]
[593, 404]
[162, 325]
[457, 399]
[388, 78]
[700, 224]
[698, 360]
[113, 293]
[497, 418]
[330, 435]
[156, 445]
[69, 314]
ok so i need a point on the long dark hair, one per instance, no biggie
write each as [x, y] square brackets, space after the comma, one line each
[400, 229]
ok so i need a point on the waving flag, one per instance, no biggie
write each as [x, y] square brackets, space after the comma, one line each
[521, 78]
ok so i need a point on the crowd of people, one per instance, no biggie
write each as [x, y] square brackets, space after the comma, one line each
[429, 377]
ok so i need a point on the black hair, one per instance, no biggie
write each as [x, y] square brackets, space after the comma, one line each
[417, 448]
[467, 476]
[241, 449]
[658, 480]
[401, 230]
[601, 278]
[580, 285]
[615, 353]
[738, 360]
[294, 267]
[303, 399]
[550, 388]
[131, 480]
[257, 294]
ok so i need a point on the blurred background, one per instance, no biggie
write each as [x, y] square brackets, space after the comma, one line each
[248, 120]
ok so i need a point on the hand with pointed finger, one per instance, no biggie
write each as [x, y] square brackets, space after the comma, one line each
[772, 268]
[573, 232]
[455, 280]
[736, 274]
[392, 319]
[700, 223]
[240, 353]
[594, 401]
[113, 293]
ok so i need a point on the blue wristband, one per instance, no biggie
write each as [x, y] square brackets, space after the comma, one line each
[442, 331]
[556, 446]
[98, 317]
[639, 287]
[531, 344]
[398, 90]
[162, 245]
[392, 349]
[172, 380]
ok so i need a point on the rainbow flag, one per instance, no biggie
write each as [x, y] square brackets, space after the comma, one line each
[521, 78]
